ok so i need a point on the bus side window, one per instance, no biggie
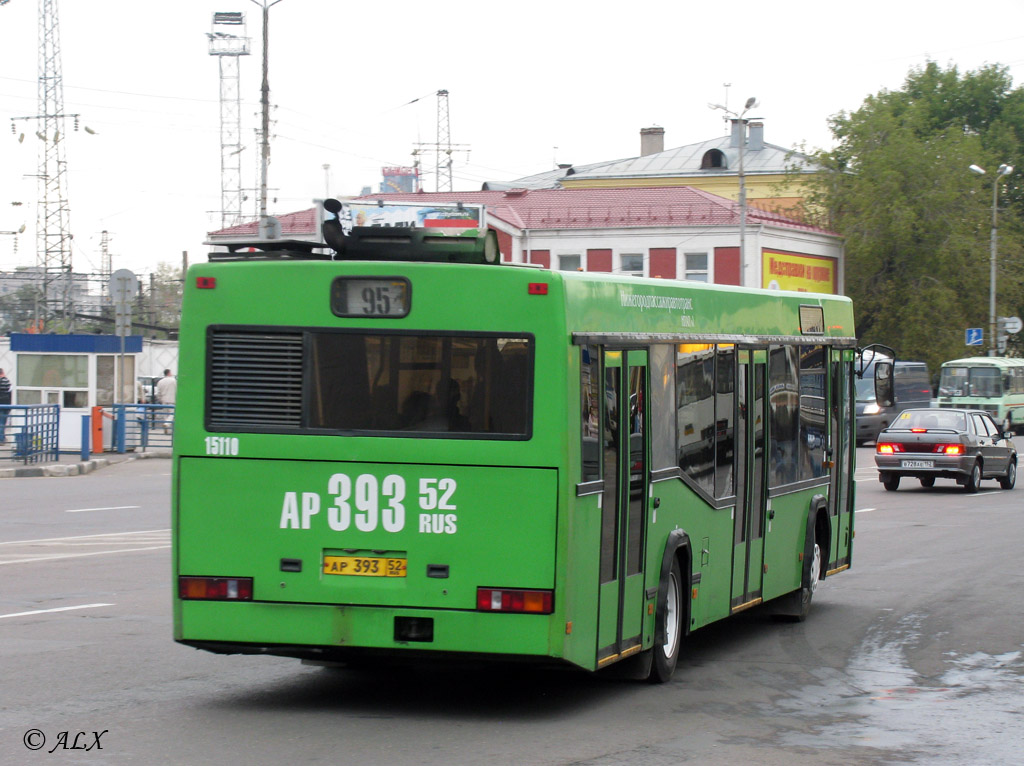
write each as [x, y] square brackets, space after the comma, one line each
[663, 406]
[590, 415]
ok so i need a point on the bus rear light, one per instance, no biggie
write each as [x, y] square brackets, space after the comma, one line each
[515, 600]
[537, 288]
[206, 283]
[215, 588]
[887, 448]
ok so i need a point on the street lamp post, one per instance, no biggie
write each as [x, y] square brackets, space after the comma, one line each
[993, 329]
[265, 122]
[741, 122]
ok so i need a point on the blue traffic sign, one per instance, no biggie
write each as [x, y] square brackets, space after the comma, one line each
[974, 336]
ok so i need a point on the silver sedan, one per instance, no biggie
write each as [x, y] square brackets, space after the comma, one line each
[928, 444]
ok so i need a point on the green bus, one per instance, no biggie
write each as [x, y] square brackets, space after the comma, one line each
[395, 452]
[992, 383]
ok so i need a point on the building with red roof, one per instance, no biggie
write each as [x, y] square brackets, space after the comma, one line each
[677, 232]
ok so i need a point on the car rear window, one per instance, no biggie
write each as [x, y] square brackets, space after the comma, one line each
[931, 419]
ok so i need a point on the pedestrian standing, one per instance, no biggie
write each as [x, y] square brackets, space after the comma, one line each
[5, 401]
[166, 393]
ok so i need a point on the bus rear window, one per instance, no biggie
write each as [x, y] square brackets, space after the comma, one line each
[373, 383]
[458, 385]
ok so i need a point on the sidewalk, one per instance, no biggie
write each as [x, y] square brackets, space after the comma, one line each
[71, 464]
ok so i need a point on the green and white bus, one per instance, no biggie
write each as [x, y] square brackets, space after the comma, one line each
[992, 383]
[397, 453]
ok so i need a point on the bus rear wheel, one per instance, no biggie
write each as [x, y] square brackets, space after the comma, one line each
[796, 606]
[670, 624]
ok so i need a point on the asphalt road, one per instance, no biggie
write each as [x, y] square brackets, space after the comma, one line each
[912, 656]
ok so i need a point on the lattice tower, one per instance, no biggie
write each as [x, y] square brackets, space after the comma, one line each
[444, 148]
[53, 226]
[228, 47]
[106, 265]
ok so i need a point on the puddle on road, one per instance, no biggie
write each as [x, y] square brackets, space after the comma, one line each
[972, 713]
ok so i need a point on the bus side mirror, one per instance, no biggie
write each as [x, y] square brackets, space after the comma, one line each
[883, 384]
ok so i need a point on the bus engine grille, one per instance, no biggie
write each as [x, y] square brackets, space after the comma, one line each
[254, 380]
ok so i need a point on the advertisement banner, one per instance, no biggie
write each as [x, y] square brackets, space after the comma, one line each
[454, 219]
[802, 273]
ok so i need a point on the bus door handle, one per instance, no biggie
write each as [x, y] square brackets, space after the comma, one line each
[771, 514]
[656, 503]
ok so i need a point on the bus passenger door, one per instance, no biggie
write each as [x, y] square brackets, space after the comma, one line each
[842, 457]
[748, 521]
[623, 504]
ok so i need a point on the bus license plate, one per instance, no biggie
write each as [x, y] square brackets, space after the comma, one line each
[364, 566]
[917, 464]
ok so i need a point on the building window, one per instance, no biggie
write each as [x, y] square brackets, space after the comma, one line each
[569, 263]
[696, 267]
[713, 158]
[632, 264]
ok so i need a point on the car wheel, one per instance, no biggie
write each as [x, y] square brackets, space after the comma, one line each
[928, 482]
[1007, 482]
[974, 479]
[891, 482]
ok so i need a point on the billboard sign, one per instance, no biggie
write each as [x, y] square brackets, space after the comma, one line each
[801, 273]
[456, 219]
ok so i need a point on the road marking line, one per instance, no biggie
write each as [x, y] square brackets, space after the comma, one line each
[47, 611]
[108, 508]
[82, 537]
[865, 510]
[80, 555]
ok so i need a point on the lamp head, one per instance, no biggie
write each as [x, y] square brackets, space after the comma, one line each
[977, 169]
[1005, 170]
[751, 103]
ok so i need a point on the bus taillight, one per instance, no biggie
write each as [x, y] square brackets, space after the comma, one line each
[515, 600]
[215, 588]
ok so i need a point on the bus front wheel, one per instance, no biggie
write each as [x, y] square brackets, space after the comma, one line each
[670, 624]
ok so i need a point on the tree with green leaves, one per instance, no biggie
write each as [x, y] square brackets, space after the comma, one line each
[915, 220]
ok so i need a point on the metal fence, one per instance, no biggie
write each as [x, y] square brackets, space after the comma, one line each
[29, 433]
[142, 426]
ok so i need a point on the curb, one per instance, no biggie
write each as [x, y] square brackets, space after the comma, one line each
[75, 469]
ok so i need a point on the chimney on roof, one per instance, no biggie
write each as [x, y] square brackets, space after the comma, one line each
[756, 140]
[737, 132]
[652, 141]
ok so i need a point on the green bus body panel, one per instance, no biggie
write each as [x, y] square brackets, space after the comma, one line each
[784, 541]
[363, 627]
[498, 530]
[596, 303]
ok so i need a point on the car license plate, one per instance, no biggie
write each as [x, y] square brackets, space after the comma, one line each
[917, 464]
[364, 566]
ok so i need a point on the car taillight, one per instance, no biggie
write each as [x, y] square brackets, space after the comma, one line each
[215, 588]
[515, 600]
[888, 448]
[950, 449]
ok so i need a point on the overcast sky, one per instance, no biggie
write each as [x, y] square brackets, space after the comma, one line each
[530, 84]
